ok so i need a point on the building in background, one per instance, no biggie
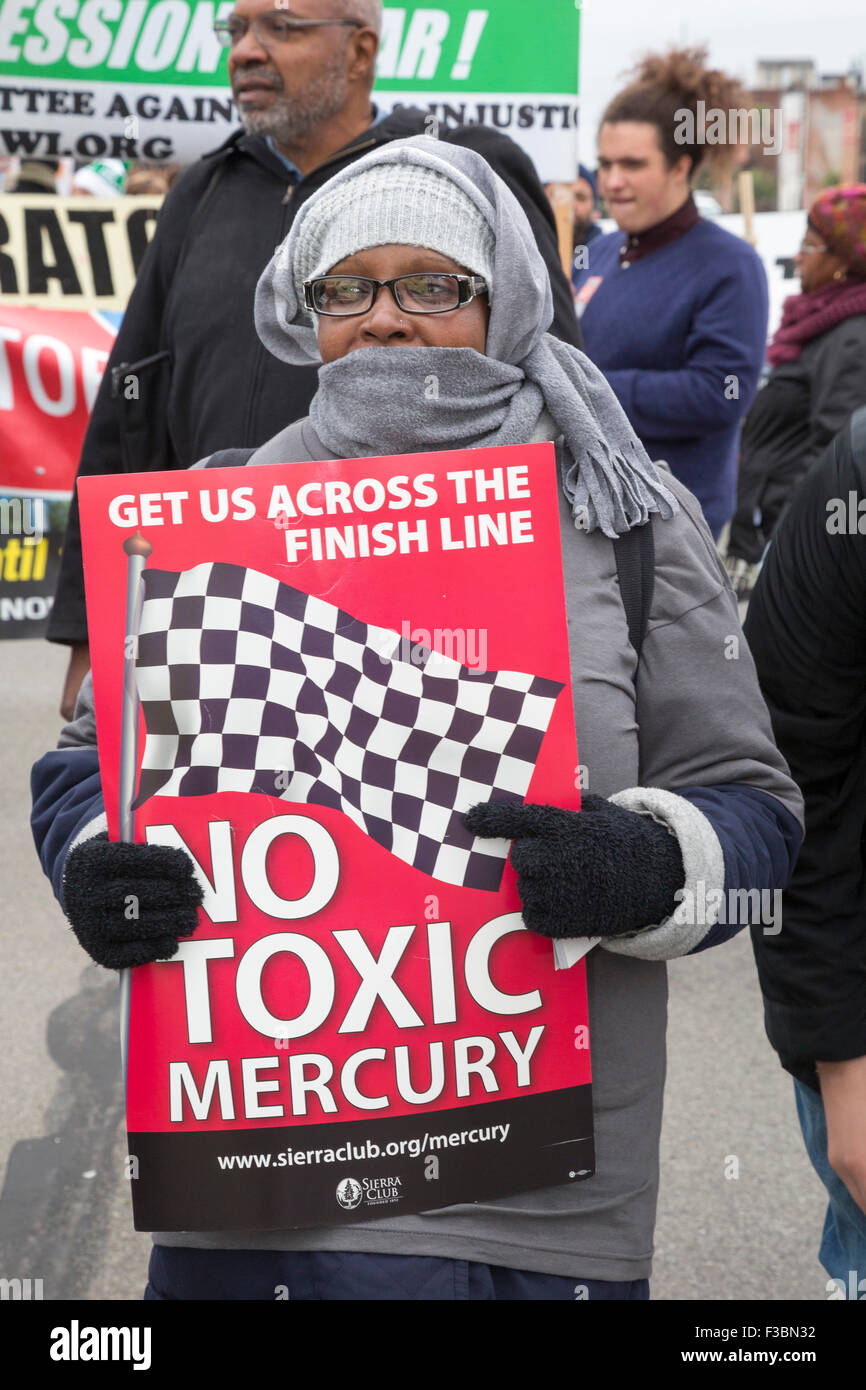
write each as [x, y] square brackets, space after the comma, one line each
[823, 141]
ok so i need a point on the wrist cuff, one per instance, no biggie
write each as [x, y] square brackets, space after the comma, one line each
[704, 863]
[97, 826]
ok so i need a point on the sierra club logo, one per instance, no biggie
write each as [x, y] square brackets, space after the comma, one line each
[375, 1192]
[349, 1193]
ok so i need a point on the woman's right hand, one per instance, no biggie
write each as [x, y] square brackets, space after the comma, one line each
[129, 904]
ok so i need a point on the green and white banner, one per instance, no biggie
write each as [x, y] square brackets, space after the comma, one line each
[513, 66]
[146, 79]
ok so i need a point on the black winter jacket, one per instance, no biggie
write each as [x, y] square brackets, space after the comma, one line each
[189, 371]
[806, 627]
[789, 425]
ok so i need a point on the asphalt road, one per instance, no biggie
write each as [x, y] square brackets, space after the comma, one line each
[65, 1214]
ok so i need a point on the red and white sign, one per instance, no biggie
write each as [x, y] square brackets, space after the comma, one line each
[51, 364]
[351, 1032]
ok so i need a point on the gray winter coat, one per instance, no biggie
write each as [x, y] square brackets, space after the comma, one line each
[682, 735]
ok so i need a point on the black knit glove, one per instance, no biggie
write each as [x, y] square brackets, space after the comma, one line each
[102, 882]
[600, 871]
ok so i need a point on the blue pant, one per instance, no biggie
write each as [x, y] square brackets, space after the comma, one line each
[843, 1244]
[181, 1272]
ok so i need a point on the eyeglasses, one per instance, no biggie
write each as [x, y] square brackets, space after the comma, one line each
[343, 296]
[271, 28]
[806, 248]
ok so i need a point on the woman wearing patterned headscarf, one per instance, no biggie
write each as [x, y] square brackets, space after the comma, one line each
[818, 377]
[418, 260]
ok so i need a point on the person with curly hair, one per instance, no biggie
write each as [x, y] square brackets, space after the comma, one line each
[673, 308]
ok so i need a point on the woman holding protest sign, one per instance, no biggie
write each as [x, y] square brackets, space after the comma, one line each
[421, 247]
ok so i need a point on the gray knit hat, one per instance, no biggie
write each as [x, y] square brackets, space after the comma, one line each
[606, 475]
[400, 204]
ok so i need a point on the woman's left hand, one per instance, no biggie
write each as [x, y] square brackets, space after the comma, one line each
[600, 871]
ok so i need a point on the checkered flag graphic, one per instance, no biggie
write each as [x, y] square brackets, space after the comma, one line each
[250, 685]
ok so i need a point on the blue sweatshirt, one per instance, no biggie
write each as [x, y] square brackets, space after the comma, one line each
[680, 336]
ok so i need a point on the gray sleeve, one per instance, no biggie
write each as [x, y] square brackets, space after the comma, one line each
[702, 720]
[81, 732]
[702, 717]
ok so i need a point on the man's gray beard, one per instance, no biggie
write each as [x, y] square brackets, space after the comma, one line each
[289, 120]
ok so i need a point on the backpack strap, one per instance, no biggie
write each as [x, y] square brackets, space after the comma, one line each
[230, 458]
[635, 568]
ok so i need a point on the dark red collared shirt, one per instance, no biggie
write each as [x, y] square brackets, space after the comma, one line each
[640, 244]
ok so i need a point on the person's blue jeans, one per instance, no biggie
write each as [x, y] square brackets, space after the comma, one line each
[843, 1244]
[181, 1272]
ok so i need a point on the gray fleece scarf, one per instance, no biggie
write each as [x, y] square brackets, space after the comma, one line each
[411, 400]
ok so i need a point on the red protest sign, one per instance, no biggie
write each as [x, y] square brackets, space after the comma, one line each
[51, 364]
[334, 661]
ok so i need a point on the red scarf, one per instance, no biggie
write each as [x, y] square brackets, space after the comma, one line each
[808, 315]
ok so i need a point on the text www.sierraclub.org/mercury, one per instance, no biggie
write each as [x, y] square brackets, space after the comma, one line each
[345, 1153]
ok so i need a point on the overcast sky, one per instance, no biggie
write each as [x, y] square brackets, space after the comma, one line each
[616, 32]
